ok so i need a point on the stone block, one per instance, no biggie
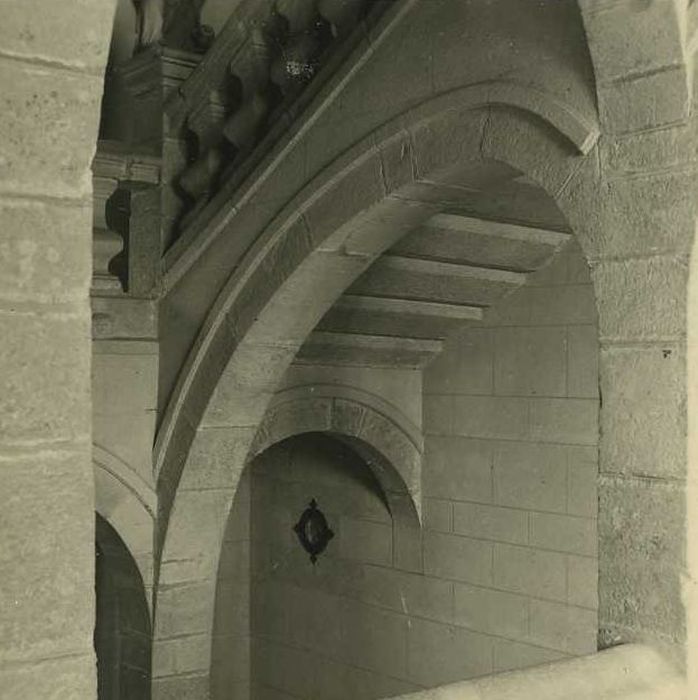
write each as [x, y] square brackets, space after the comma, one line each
[108, 432]
[530, 361]
[530, 571]
[522, 140]
[124, 318]
[189, 687]
[374, 639]
[362, 540]
[184, 609]
[646, 101]
[490, 417]
[444, 143]
[358, 190]
[437, 514]
[583, 362]
[37, 349]
[554, 272]
[643, 419]
[337, 681]
[408, 593]
[179, 656]
[620, 32]
[641, 555]
[234, 561]
[583, 471]
[441, 654]
[570, 421]
[269, 612]
[438, 414]
[563, 627]
[309, 613]
[464, 367]
[47, 557]
[246, 385]
[458, 468]
[197, 516]
[572, 304]
[233, 607]
[490, 523]
[51, 116]
[77, 36]
[216, 459]
[583, 582]
[45, 252]
[642, 299]
[509, 656]
[490, 611]
[124, 383]
[283, 667]
[59, 679]
[461, 558]
[564, 533]
[230, 660]
[623, 216]
[531, 476]
[408, 548]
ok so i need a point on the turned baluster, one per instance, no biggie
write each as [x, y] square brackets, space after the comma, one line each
[343, 15]
[295, 63]
[251, 73]
[206, 123]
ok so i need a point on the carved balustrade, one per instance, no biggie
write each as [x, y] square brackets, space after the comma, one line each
[265, 55]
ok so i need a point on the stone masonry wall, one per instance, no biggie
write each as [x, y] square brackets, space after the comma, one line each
[51, 79]
[338, 629]
[230, 652]
[510, 413]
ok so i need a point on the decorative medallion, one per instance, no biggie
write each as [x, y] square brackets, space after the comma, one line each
[313, 531]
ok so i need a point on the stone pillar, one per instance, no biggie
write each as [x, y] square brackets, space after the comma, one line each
[51, 73]
[638, 229]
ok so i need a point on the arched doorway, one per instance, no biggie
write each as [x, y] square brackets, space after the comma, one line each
[122, 629]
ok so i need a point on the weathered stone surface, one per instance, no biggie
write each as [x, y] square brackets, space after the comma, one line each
[29, 33]
[60, 679]
[641, 557]
[641, 299]
[643, 418]
[216, 459]
[45, 512]
[44, 251]
[46, 113]
[37, 348]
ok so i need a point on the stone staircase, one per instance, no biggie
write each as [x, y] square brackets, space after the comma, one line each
[437, 278]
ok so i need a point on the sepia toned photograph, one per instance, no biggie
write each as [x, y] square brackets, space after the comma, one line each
[349, 350]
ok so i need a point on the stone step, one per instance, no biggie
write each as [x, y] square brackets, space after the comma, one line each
[366, 350]
[397, 317]
[480, 242]
[429, 280]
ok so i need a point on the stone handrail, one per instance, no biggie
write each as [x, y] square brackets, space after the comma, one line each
[628, 672]
[264, 57]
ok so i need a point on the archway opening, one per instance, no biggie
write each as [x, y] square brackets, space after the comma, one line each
[123, 628]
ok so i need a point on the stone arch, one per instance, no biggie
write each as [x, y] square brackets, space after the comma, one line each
[123, 623]
[129, 505]
[324, 238]
[392, 454]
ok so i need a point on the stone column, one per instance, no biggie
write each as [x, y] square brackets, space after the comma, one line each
[51, 73]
